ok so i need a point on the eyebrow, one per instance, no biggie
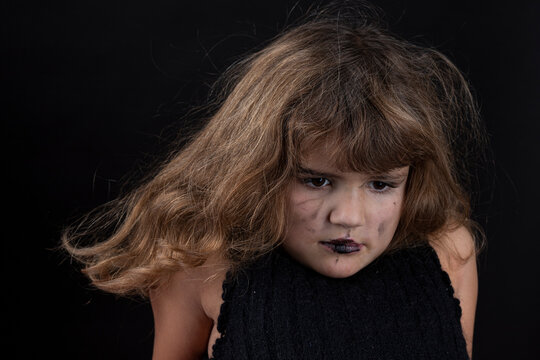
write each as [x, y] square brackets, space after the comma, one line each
[312, 172]
[391, 177]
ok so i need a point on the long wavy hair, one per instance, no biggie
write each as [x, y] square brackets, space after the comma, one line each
[386, 102]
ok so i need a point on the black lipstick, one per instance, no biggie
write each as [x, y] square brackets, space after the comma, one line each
[342, 246]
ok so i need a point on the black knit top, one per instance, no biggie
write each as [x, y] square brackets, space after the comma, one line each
[401, 306]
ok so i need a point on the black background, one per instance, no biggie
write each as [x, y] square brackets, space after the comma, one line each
[93, 93]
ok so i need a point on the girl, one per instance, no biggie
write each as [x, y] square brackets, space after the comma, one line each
[320, 213]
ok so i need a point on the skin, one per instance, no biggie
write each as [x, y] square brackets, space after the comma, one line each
[186, 311]
[328, 204]
[457, 254]
[325, 204]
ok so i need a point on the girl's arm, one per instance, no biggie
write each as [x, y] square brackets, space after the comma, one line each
[182, 327]
[456, 252]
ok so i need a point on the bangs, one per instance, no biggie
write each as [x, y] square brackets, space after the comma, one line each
[363, 130]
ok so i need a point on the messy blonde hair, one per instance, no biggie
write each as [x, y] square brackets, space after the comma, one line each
[388, 103]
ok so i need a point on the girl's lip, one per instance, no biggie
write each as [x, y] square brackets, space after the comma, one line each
[342, 245]
[341, 241]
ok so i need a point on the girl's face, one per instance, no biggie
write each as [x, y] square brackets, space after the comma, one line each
[339, 222]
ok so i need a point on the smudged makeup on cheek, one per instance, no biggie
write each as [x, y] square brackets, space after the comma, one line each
[381, 228]
[307, 205]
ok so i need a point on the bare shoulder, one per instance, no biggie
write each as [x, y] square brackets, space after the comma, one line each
[455, 248]
[183, 307]
[457, 253]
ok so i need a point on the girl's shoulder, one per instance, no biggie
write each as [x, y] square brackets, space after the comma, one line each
[455, 248]
[457, 253]
[186, 308]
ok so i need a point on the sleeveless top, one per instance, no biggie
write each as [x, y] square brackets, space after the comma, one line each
[401, 306]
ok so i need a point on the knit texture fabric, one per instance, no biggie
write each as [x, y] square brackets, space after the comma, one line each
[401, 306]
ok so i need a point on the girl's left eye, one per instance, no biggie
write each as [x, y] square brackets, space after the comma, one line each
[317, 182]
[380, 186]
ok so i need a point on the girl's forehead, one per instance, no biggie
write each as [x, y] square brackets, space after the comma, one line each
[325, 157]
[359, 150]
[323, 153]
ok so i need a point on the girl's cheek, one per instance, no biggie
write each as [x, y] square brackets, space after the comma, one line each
[389, 215]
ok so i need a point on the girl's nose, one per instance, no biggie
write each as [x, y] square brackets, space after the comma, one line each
[348, 209]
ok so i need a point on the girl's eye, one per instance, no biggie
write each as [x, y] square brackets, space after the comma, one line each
[380, 185]
[317, 182]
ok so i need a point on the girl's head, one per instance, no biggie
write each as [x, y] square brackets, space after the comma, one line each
[374, 103]
[337, 92]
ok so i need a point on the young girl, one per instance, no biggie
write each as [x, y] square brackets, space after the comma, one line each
[320, 214]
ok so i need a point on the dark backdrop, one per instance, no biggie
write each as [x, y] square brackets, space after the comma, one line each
[94, 92]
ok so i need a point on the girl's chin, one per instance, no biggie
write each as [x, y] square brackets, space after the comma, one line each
[339, 268]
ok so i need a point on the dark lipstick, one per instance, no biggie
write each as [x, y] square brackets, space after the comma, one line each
[342, 246]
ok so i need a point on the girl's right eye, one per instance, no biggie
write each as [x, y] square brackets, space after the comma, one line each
[317, 182]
